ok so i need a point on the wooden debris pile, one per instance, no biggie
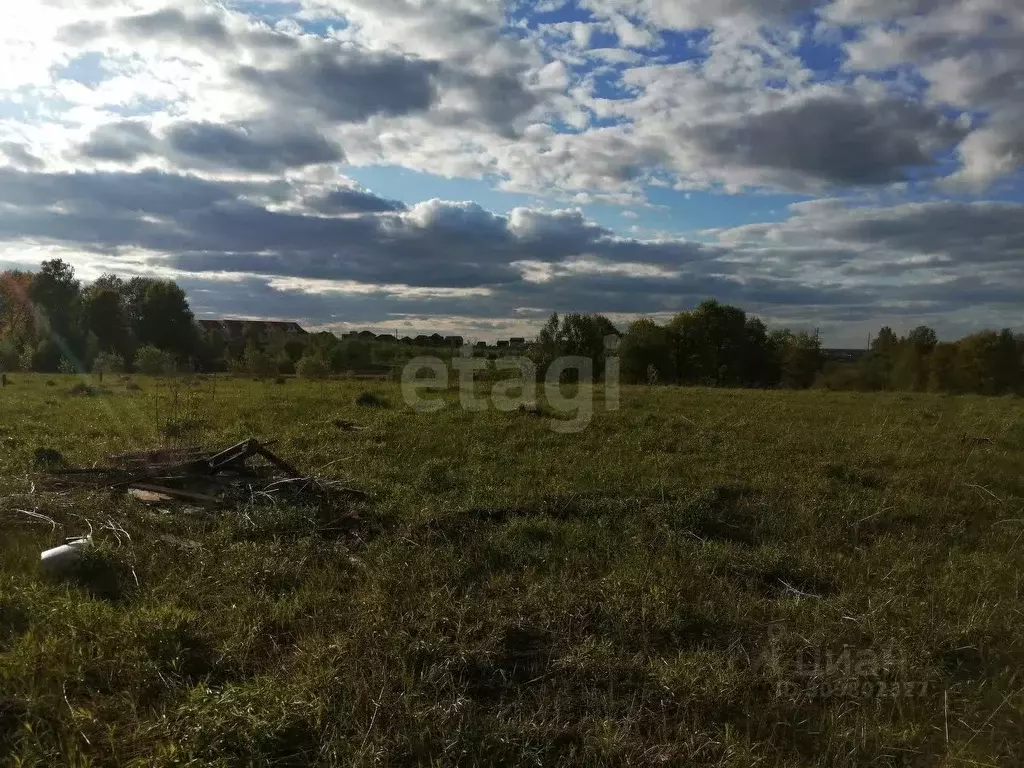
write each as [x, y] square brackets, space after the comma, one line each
[198, 478]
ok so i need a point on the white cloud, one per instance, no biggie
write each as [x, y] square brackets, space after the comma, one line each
[104, 104]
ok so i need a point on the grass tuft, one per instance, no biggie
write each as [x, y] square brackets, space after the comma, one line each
[371, 400]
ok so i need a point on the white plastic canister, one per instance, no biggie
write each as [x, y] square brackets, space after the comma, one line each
[60, 558]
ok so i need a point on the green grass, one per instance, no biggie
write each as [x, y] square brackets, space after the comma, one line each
[702, 577]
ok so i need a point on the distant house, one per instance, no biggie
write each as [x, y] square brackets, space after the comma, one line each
[366, 336]
[407, 340]
[844, 355]
[481, 345]
[422, 340]
[387, 338]
[517, 341]
[242, 330]
[503, 345]
[436, 339]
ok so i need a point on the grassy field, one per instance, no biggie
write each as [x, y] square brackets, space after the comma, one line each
[701, 577]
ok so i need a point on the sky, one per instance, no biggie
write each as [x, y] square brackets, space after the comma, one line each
[470, 166]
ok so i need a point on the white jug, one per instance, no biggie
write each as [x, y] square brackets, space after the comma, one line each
[59, 558]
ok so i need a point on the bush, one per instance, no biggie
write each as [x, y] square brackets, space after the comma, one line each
[108, 362]
[258, 363]
[312, 367]
[284, 364]
[153, 362]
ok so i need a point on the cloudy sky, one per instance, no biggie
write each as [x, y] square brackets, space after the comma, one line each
[472, 165]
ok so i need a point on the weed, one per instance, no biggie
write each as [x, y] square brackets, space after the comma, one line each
[81, 388]
[47, 458]
[182, 429]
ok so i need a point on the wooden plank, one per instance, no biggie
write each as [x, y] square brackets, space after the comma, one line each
[177, 493]
[235, 453]
[281, 464]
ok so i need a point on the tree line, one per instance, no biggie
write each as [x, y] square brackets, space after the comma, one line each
[985, 363]
[51, 322]
[720, 345]
[712, 345]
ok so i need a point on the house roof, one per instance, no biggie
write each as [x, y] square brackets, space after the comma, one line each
[239, 328]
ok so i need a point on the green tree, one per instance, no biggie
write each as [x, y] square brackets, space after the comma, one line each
[106, 318]
[350, 355]
[548, 345]
[802, 360]
[152, 361]
[17, 316]
[212, 350]
[9, 360]
[108, 362]
[1007, 360]
[584, 335]
[56, 296]
[942, 369]
[646, 347]
[713, 344]
[978, 364]
[878, 365]
[312, 366]
[44, 357]
[258, 362]
[165, 320]
[923, 339]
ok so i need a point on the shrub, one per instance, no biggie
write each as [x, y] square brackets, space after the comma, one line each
[284, 364]
[108, 362]
[312, 367]
[81, 388]
[153, 362]
[258, 363]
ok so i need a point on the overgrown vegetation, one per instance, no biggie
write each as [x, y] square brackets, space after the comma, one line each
[50, 322]
[705, 576]
[986, 363]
